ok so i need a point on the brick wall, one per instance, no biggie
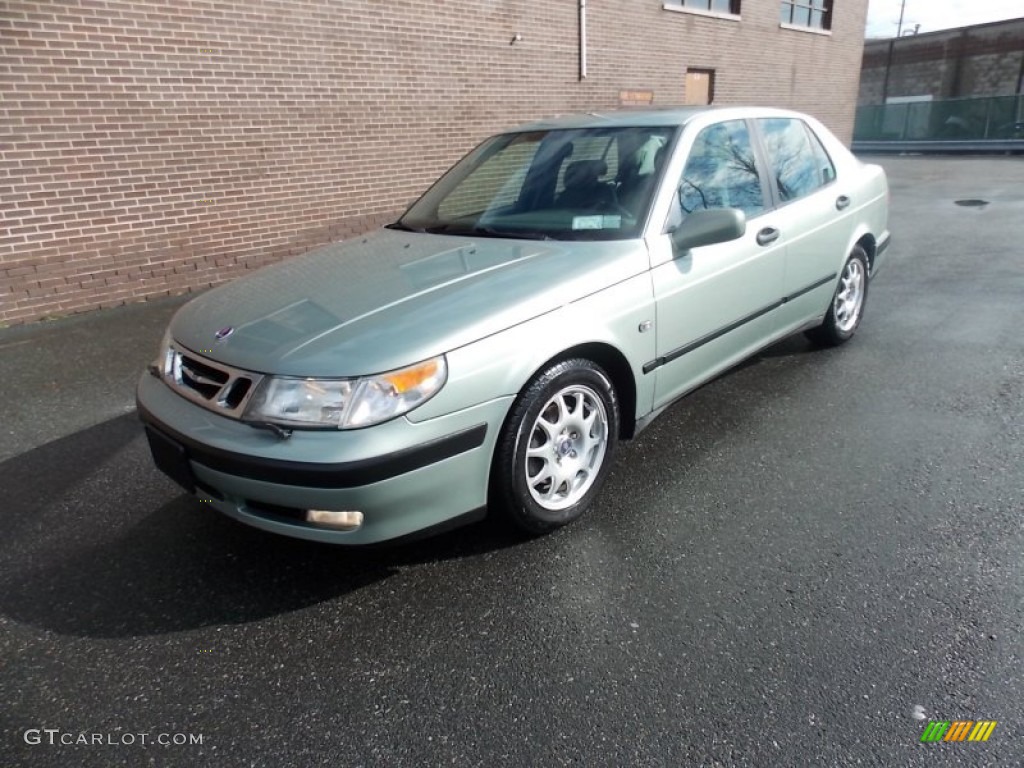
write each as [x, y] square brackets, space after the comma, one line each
[150, 148]
[984, 60]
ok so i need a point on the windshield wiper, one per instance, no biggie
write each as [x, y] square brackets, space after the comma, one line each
[521, 234]
[462, 230]
[445, 229]
[398, 225]
[478, 231]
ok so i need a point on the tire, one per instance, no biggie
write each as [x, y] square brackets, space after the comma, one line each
[556, 447]
[847, 307]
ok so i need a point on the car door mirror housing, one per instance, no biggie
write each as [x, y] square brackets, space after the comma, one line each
[719, 225]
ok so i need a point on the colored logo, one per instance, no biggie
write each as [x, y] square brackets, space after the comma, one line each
[958, 730]
[223, 333]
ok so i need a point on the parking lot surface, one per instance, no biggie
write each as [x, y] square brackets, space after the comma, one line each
[801, 564]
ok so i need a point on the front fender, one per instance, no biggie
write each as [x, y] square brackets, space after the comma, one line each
[503, 364]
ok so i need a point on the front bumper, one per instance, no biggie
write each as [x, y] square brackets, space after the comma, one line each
[404, 477]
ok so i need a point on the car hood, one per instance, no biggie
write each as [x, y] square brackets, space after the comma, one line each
[391, 299]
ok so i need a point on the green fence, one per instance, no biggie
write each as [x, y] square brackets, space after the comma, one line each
[987, 119]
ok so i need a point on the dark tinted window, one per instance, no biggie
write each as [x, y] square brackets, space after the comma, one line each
[798, 167]
[721, 171]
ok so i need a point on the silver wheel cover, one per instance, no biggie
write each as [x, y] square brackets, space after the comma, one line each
[850, 296]
[565, 447]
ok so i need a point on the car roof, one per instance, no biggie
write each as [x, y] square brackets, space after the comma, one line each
[632, 118]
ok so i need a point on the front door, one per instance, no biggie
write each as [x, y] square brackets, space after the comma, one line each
[715, 304]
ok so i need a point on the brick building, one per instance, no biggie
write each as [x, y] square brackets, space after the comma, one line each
[151, 148]
[969, 62]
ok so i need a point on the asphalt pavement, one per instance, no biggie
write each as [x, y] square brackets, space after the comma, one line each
[803, 563]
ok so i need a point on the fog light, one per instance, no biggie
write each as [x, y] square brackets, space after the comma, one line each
[342, 521]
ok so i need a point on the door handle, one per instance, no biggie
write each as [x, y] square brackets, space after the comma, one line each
[842, 202]
[767, 236]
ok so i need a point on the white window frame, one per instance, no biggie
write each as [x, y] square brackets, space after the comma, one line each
[828, 9]
[678, 7]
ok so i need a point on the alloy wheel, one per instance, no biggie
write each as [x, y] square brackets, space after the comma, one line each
[566, 447]
[850, 296]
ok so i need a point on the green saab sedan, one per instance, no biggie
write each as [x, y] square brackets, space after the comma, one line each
[550, 295]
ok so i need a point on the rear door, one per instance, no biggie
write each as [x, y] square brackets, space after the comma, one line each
[814, 216]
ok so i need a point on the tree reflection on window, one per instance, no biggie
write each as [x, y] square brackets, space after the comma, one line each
[795, 164]
[721, 172]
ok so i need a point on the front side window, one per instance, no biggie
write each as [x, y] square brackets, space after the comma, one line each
[813, 14]
[721, 172]
[573, 184]
[798, 166]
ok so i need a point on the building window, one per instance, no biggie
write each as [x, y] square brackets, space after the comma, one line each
[813, 14]
[724, 7]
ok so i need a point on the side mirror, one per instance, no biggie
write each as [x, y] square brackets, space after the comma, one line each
[718, 225]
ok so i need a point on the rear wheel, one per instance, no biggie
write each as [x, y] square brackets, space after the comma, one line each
[556, 447]
[847, 308]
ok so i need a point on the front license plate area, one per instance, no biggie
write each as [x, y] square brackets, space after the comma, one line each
[171, 459]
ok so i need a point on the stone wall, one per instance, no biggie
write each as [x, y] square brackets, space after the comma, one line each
[986, 60]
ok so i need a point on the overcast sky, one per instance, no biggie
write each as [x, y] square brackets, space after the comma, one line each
[933, 15]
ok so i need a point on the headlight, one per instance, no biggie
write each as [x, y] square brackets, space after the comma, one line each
[346, 403]
[162, 363]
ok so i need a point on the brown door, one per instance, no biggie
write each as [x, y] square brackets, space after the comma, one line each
[700, 86]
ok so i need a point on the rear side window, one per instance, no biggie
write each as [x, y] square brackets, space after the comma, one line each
[798, 162]
[721, 171]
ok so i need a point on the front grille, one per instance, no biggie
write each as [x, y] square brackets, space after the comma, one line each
[216, 386]
[202, 378]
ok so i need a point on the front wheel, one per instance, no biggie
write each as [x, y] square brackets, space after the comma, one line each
[556, 447]
[847, 308]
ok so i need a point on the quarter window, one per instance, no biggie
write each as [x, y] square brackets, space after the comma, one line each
[813, 14]
[721, 172]
[825, 166]
[798, 163]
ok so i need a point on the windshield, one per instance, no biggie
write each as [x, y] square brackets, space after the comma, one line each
[580, 184]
